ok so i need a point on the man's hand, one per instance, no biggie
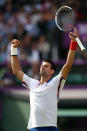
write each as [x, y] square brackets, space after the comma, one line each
[15, 61]
[73, 35]
[15, 43]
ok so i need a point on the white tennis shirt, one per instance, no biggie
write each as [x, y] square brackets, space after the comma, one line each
[43, 101]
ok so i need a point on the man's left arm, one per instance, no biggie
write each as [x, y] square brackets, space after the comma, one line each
[70, 58]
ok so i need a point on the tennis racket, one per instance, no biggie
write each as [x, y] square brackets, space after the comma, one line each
[65, 21]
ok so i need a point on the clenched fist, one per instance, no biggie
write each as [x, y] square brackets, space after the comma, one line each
[74, 34]
[15, 43]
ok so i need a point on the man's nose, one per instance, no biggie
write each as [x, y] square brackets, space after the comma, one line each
[43, 67]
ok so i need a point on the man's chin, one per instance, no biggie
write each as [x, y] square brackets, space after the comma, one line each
[42, 73]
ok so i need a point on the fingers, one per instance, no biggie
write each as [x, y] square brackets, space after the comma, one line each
[15, 43]
[75, 33]
[71, 33]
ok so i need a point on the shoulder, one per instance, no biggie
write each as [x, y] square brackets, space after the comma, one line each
[58, 78]
[28, 80]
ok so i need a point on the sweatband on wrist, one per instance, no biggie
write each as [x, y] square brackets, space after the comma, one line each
[13, 51]
[73, 45]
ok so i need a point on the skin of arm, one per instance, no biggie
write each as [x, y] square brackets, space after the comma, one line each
[16, 67]
[70, 58]
[66, 68]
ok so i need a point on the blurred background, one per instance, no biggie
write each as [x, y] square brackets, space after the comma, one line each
[32, 22]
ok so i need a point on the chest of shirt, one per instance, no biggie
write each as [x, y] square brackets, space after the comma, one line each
[37, 87]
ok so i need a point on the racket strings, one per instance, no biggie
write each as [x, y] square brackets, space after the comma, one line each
[65, 19]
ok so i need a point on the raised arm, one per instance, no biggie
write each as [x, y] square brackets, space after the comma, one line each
[15, 61]
[70, 58]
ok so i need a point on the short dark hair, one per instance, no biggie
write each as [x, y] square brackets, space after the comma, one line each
[53, 67]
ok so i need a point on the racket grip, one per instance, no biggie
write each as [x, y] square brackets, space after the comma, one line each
[80, 44]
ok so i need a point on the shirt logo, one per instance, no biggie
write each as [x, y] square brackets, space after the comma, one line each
[36, 86]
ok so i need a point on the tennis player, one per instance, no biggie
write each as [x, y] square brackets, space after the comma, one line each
[44, 94]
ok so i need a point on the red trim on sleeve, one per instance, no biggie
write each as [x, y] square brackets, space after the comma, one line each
[59, 85]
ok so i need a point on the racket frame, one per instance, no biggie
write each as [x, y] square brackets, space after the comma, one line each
[77, 38]
[57, 15]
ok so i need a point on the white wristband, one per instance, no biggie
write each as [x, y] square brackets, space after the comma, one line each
[13, 51]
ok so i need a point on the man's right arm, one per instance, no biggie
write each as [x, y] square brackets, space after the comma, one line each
[16, 68]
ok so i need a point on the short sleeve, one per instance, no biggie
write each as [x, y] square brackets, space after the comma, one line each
[59, 81]
[27, 81]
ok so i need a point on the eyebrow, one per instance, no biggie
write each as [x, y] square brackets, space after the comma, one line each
[45, 64]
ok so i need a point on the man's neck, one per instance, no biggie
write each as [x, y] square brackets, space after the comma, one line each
[44, 79]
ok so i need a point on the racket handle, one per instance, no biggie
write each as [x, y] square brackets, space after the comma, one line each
[80, 44]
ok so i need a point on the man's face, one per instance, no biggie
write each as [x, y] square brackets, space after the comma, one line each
[45, 69]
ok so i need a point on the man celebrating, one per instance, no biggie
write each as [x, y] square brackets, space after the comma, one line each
[44, 93]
